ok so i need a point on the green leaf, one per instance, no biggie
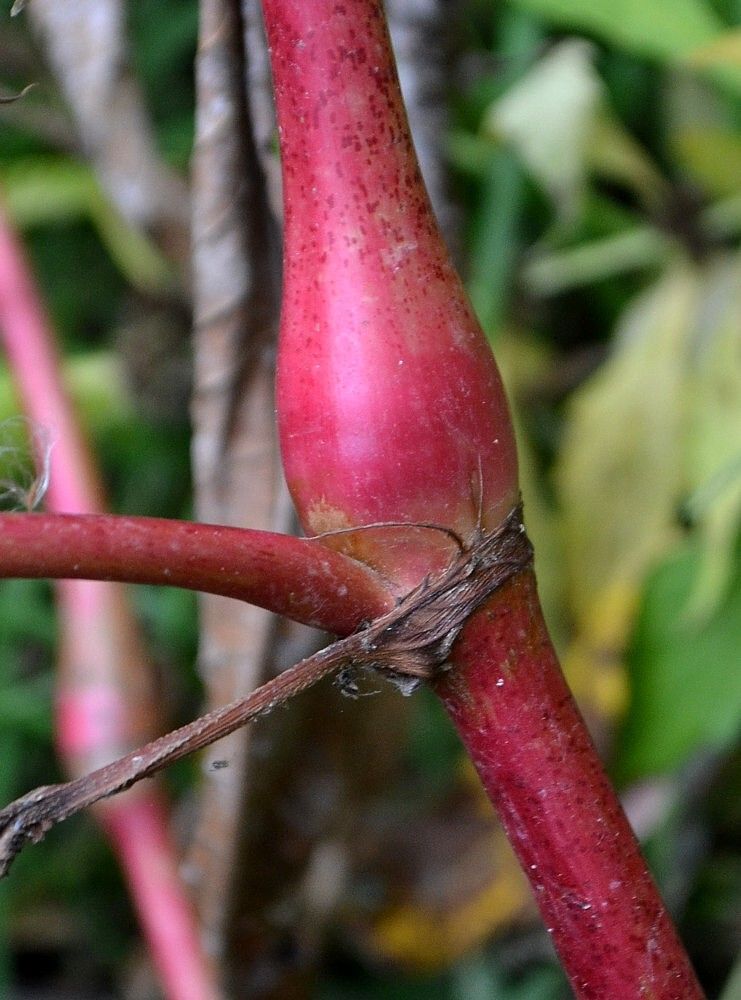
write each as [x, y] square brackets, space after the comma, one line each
[548, 115]
[732, 988]
[96, 383]
[711, 156]
[620, 469]
[616, 156]
[478, 978]
[46, 189]
[686, 682]
[134, 253]
[725, 49]
[495, 240]
[25, 612]
[49, 189]
[668, 30]
[27, 708]
[496, 237]
[548, 272]
[12, 751]
[714, 431]
[664, 29]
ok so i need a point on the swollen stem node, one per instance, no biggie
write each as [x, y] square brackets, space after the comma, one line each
[391, 408]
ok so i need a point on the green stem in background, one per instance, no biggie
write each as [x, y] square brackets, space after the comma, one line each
[553, 272]
[495, 241]
[495, 248]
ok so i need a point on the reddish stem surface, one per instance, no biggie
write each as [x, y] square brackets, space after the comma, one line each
[515, 714]
[296, 577]
[390, 407]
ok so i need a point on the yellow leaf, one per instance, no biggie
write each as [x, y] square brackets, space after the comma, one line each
[714, 437]
[723, 50]
[620, 470]
[426, 937]
[712, 157]
[593, 662]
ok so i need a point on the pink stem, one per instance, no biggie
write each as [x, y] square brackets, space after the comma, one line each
[138, 827]
[513, 710]
[295, 577]
[289, 575]
[35, 364]
[104, 692]
[390, 406]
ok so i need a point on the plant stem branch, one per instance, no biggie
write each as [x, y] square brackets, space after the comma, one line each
[237, 474]
[295, 577]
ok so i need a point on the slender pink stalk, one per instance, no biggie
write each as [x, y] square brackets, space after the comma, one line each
[105, 699]
[139, 831]
[391, 408]
[35, 364]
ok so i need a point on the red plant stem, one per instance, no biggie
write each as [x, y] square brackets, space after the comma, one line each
[295, 577]
[536, 760]
[104, 692]
[389, 406]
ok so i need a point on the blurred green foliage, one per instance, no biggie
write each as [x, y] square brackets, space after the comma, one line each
[596, 150]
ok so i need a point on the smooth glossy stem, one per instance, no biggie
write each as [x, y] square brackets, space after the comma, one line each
[295, 577]
[391, 408]
[508, 699]
[390, 405]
